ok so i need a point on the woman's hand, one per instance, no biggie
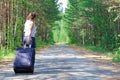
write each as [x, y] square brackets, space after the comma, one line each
[28, 41]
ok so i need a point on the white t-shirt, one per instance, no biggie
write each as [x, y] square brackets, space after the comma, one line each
[27, 25]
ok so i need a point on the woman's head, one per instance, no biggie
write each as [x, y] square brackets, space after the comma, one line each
[31, 16]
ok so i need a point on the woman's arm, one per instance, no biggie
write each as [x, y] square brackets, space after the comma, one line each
[29, 37]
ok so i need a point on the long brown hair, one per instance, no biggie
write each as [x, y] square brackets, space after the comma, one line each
[31, 15]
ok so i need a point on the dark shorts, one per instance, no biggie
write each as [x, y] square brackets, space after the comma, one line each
[32, 42]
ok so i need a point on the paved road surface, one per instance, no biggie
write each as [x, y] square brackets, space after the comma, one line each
[59, 62]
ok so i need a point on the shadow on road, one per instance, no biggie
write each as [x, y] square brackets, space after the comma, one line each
[59, 63]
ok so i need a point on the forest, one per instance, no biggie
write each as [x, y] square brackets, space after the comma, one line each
[89, 23]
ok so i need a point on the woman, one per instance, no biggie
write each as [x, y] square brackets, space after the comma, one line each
[30, 31]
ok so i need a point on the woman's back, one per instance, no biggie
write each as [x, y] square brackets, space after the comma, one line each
[27, 25]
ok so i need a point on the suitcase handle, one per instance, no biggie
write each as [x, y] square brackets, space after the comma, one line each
[27, 45]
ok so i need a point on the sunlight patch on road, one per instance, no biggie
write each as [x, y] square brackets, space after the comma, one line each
[98, 57]
[59, 56]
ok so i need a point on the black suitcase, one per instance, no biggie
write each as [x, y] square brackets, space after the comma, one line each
[24, 60]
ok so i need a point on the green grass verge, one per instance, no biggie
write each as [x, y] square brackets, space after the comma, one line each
[116, 56]
[41, 44]
[6, 54]
[96, 49]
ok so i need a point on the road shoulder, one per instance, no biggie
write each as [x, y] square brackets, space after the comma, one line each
[103, 61]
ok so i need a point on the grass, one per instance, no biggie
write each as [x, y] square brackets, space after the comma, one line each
[116, 56]
[6, 54]
[96, 49]
[41, 44]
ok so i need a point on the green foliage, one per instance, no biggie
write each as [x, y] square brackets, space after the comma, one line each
[116, 56]
[6, 53]
[98, 49]
[92, 22]
[87, 22]
[60, 31]
[47, 13]
[41, 44]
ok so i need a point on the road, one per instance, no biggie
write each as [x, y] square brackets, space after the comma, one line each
[59, 62]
